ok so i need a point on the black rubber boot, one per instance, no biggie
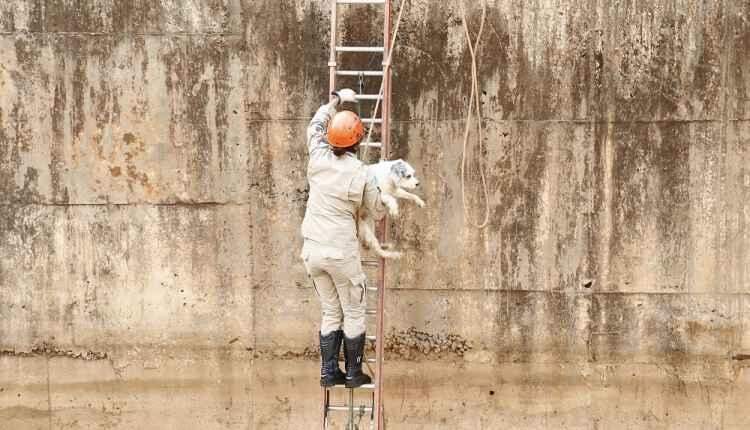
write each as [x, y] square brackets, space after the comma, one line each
[330, 345]
[353, 349]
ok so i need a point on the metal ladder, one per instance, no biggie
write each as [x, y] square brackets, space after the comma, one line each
[374, 410]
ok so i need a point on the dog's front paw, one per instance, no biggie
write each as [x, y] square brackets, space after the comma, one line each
[393, 211]
[419, 202]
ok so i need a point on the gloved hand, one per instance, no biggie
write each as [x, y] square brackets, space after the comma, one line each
[346, 95]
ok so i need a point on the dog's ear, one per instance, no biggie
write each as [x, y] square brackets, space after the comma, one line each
[398, 168]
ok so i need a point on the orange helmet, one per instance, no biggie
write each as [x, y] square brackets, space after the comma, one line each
[345, 129]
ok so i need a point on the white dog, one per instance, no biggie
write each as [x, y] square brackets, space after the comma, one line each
[394, 179]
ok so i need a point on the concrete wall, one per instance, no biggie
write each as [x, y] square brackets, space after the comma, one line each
[152, 185]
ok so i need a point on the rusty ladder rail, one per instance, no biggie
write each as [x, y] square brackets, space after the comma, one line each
[375, 409]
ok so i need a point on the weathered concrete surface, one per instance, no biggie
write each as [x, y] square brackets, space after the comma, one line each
[152, 185]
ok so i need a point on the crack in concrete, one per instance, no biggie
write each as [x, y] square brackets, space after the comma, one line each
[48, 350]
[122, 33]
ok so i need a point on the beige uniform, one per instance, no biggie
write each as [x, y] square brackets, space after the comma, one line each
[338, 186]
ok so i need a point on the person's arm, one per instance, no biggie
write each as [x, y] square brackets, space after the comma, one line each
[316, 131]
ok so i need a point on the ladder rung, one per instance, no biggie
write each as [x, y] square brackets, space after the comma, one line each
[359, 72]
[360, 49]
[372, 145]
[371, 360]
[368, 97]
[371, 312]
[372, 288]
[369, 261]
[344, 408]
[372, 338]
[371, 120]
[365, 386]
[360, 1]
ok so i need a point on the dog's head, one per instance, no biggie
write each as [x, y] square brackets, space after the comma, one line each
[403, 175]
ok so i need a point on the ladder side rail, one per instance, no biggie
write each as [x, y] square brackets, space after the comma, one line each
[326, 395]
[326, 402]
[386, 140]
[332, 57]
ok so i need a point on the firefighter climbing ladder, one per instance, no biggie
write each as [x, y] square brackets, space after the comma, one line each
[373, 409]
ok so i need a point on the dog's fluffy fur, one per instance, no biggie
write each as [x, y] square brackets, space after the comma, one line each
[395, 179]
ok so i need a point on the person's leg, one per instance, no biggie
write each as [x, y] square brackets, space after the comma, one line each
[331, 334]
[351, 284]
[332, 315]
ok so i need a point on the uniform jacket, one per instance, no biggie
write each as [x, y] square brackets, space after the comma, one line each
[338, 187]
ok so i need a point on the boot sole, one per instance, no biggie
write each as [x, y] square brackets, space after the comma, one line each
[331, 383]
[357, 383]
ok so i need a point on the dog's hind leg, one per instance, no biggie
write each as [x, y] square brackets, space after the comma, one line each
[367, 235]
[391, 255]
